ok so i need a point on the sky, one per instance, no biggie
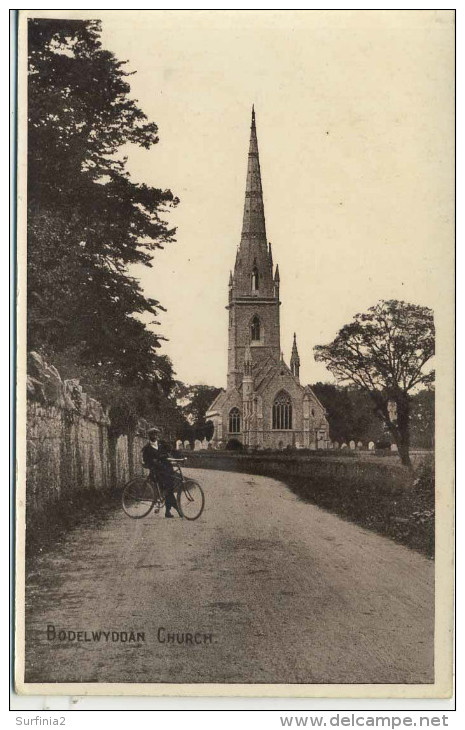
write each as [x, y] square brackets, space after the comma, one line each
[355, 129]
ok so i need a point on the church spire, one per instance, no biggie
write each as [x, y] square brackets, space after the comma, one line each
[253, 224]
[253, 272]
[295, 359]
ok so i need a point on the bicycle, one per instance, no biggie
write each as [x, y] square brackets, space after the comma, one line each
[141, 494]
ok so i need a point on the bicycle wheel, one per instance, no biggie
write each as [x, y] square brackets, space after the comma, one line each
[138, 497]
[191, 499]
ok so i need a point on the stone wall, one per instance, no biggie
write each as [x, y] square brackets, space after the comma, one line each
[69, 444]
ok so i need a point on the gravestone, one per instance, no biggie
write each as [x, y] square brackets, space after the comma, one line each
[336, 445]
[371, 446]
[352, 445]
[179, 445]
[394, 447]
[359, 445]
[344, 446]
[204, 443]
[197, 445]
[187, 446]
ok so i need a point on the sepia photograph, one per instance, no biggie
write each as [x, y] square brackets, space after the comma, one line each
[235, 383]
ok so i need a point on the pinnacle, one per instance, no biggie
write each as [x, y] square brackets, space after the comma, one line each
[295, 359]
[294, 346]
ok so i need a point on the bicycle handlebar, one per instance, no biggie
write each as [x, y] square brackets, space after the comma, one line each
[172, 461]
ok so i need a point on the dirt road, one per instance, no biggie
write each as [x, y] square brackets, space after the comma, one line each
[262, 588]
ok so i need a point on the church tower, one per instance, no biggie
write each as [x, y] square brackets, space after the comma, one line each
[253, 289]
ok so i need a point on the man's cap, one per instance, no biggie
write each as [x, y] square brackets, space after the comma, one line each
[153, 430]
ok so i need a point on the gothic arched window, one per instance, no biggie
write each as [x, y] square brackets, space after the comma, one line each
[282, 412]
[255, 329]
[254, 279]
[234, 421]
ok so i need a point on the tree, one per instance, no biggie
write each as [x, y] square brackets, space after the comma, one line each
[127, 401]
[195, 401]
[422, 419]
[336, 402]
[88, 223]
[384, 352]
[351, 413]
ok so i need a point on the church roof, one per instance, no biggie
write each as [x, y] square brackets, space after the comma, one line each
[217, 403]
[265, 369]
[231, 395]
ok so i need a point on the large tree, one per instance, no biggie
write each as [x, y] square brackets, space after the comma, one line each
[385, 352]
[351, 413]
[88, 222]
[195, 401]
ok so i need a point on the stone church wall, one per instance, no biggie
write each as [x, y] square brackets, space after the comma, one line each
[68, 440]
[308, 417]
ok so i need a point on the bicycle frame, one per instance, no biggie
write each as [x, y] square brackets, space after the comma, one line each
[178, 476]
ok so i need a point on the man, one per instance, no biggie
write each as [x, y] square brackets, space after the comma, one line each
[155, 457]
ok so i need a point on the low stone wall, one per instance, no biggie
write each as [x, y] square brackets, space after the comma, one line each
[69, 444]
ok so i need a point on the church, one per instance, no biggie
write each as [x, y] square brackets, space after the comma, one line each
[264, 404]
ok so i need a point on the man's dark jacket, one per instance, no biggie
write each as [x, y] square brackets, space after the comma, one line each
[156, 458]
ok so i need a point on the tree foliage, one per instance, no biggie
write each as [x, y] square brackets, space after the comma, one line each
[351, 413]
[385, 352]
[422, 419]
[87, 221]
[195, 401]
